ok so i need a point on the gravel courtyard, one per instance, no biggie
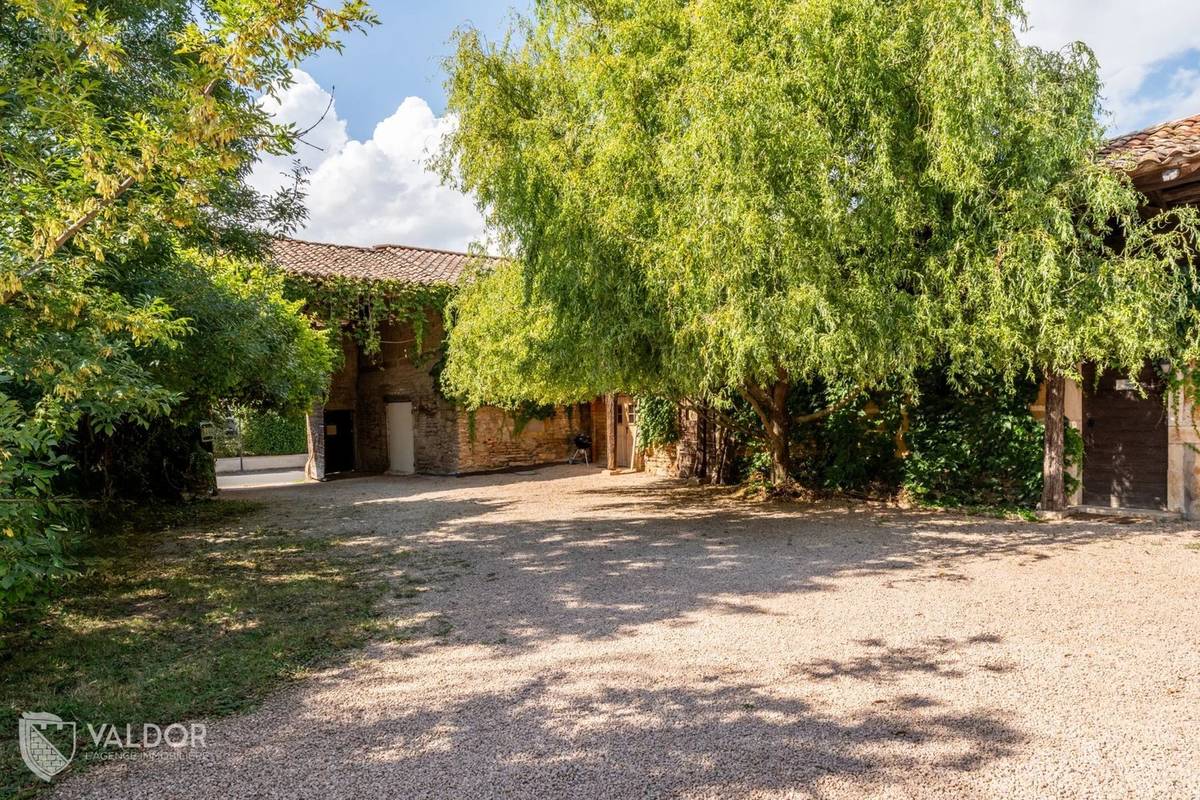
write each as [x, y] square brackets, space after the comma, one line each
[593, 636]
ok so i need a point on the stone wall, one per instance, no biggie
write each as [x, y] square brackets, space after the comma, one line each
[446, 439]
[343, 386]
[392, 376]
[695, 455]
[598, 430]
[662, 460]
[488, 439]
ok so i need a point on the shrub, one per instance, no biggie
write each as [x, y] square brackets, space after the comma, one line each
[265, 433]
[979, 450]
[657, 421]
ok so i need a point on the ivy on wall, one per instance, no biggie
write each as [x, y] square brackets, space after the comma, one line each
[362, 307]
[657, 421]
[527, 412]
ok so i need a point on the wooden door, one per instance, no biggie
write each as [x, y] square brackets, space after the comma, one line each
[626, 409]
[1124, 440]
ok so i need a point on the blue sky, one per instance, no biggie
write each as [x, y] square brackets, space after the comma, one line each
[369, 181]
[401, 57]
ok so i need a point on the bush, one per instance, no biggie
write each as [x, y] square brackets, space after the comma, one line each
[852, 450]
[979, 450]
[657, 421]
[265, 433]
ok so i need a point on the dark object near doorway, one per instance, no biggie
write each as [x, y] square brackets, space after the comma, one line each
[339, 441]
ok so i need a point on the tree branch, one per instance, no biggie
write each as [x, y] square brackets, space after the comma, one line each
[833, 409]
[124, 186]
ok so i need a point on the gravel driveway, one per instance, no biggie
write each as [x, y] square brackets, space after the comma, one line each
[622, 636]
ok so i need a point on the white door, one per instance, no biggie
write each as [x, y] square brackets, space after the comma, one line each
[626, 430]
[400, 438]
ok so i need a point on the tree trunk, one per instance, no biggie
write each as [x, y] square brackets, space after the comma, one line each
[1054, 489]
[772, 409]
[781, 461]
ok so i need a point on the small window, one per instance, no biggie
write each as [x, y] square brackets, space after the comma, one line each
[620, 413]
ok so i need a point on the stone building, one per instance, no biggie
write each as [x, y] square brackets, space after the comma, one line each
[1140, 448]
[384, 412]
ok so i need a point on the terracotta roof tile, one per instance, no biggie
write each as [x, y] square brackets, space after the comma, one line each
[1165, 145]
[385, 262]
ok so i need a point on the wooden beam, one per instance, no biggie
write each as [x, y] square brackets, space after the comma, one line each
[610, 414]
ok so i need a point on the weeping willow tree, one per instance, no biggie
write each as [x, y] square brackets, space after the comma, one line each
[712, 196]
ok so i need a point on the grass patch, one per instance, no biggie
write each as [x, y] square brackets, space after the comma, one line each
[183, 613]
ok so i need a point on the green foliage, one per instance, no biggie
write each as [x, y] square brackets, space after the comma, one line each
[266, 433]
[36, 526]
[126, 133]
[852, 450]
[364, 306]
[760, 196]
[185, 612]
[979, 449]
[657, 421]
[975, 453]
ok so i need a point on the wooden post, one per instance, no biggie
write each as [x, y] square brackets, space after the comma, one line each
[610, 414]
[1054, 489]
[314, 467]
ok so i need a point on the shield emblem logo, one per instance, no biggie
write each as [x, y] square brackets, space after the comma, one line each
[47, 743]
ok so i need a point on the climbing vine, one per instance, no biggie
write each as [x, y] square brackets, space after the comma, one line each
[362, 306]
[527, 411]
[658, 421]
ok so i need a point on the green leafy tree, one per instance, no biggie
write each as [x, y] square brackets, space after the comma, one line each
[123, 123]
[760, 196]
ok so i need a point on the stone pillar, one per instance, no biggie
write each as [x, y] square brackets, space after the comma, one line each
[314, 467]
[610, 429]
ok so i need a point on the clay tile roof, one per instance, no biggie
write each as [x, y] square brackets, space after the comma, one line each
[385, 262]
[1166, 145]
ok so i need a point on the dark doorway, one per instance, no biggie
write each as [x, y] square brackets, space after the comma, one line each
[339, 441]
[1124, 440]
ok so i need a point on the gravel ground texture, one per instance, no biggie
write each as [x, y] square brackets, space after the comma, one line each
[597, 636]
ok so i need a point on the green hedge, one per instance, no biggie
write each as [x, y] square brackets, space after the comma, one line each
[982, 450]
[265, 433]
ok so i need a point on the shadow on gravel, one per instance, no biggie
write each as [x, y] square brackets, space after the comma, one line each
[626, 556]
[723, 741]
[599, 565]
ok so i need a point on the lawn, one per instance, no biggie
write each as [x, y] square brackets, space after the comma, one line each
[184, 613]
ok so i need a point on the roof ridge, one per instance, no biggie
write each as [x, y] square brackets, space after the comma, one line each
[378, 247]
[1155, 128]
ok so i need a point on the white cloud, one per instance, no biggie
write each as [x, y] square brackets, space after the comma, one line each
[1131, 39]
[373, 192]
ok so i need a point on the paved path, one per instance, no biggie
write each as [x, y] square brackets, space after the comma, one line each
[248, 480]
[622, 637]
